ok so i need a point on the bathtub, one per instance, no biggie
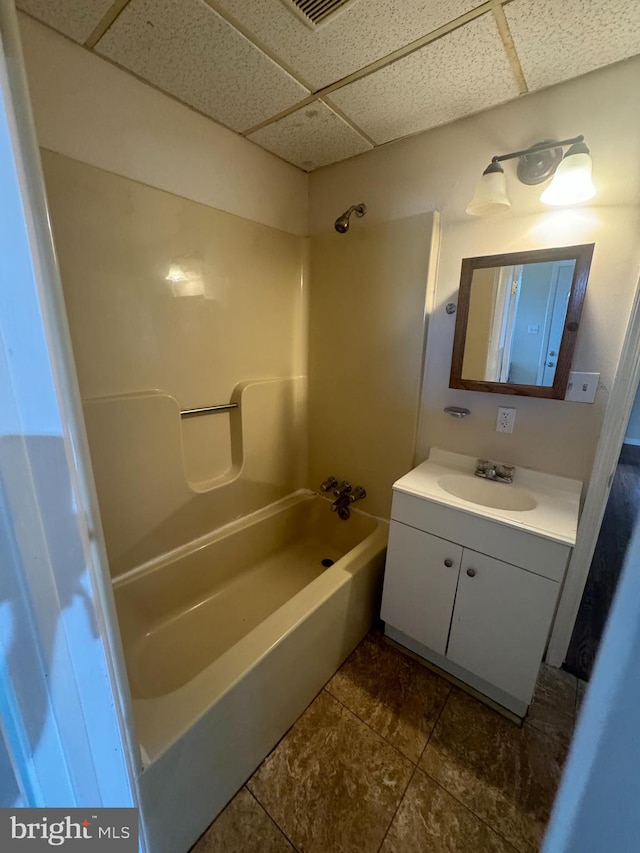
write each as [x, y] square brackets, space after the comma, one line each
[227, 641]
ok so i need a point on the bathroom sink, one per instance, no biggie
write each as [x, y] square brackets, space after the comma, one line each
[487, 493]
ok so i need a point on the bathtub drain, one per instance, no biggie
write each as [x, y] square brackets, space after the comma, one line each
[327, 562]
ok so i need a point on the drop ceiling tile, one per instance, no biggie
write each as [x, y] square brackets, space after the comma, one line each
[188, 50]
[311, 137]
[556, 41]
[76, 20]
[360, 34]
[460, 73]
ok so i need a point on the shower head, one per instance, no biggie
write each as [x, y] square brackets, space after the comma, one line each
[342, 222]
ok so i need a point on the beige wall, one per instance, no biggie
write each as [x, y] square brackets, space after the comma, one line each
[481, 306]
[367, 305]
[438, 170]
[92, 111]
[237, 317]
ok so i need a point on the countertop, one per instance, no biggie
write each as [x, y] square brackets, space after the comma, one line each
[554, 517]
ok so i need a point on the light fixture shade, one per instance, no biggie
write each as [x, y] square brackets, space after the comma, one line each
[572, 182]
[491, 193]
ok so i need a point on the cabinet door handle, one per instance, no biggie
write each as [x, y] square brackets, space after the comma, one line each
[471, 573]
[448, 563]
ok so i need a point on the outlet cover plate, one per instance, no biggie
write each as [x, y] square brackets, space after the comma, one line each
[506, 419]
[582, 387]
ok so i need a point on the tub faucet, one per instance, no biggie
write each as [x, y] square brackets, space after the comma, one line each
[342, 488]
[347, 496]
[329, 484]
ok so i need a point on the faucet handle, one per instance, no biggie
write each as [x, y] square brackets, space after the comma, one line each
[358, 493]
[343, 489]
[329, 483]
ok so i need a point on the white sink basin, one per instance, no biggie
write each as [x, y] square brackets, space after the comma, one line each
[487, 493]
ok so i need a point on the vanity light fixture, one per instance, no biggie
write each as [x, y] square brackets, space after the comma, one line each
[571, 176]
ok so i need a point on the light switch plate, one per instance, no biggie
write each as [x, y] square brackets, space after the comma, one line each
[582, 387]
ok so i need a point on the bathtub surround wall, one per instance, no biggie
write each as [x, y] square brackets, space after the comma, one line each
[366, 343]
[175, 305]
[439, 170]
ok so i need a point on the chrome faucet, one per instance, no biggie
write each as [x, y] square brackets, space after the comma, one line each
[494, 471]
[345, 496]
[342, 493]
[329, 484]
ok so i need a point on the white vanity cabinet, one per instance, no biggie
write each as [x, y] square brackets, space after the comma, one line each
[500, 623]
[472, 596]
[420, 589]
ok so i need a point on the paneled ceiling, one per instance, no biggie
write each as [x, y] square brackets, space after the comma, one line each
[370, 72]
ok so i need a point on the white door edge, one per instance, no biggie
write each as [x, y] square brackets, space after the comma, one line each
[614, 427]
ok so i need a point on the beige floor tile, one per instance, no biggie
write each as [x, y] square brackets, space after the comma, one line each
[506, 775]
[243, 827]
[332, 784]
[553, 709]
[391, 692]
[429, 820]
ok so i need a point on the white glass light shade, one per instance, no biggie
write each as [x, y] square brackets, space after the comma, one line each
[572, 182]
[490, 196]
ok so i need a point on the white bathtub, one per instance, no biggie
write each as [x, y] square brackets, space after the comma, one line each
[229, 639]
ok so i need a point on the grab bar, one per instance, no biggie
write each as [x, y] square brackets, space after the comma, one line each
[225, 407]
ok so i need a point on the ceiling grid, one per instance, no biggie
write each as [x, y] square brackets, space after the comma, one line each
[369, 73]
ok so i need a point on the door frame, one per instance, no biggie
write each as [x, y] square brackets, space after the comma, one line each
[614, 427]
[84, 690]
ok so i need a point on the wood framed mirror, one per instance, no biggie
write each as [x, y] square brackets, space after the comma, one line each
[517, 321]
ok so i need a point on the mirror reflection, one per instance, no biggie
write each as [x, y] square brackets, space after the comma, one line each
[516, 321]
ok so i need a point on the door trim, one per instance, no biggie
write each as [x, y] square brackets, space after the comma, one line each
[614, 426]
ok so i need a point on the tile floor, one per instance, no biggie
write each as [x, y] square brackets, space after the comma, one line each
[390, 757]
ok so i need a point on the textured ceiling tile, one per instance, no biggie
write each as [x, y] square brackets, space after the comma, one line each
[434, 85]
[311, 137]
[185, 48]
[556, 41]
[76, 20]
[362, 33]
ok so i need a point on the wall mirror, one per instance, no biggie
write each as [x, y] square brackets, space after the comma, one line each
[517, 321]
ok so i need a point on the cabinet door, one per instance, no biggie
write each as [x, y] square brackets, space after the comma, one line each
[500, 622]
[420, 582]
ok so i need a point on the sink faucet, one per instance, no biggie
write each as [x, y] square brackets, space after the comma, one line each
[494, 471]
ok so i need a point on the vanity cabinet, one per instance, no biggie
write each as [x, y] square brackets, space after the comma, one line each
[500, 622]
[484, 620]
[421, 587]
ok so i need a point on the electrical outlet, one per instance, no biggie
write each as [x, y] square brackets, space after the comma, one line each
[506, 419]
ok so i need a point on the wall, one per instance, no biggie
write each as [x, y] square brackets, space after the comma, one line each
[438, 170]
[367, 307]
[92, 111]
[147, 347]
[167, 183]
[476, 345]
